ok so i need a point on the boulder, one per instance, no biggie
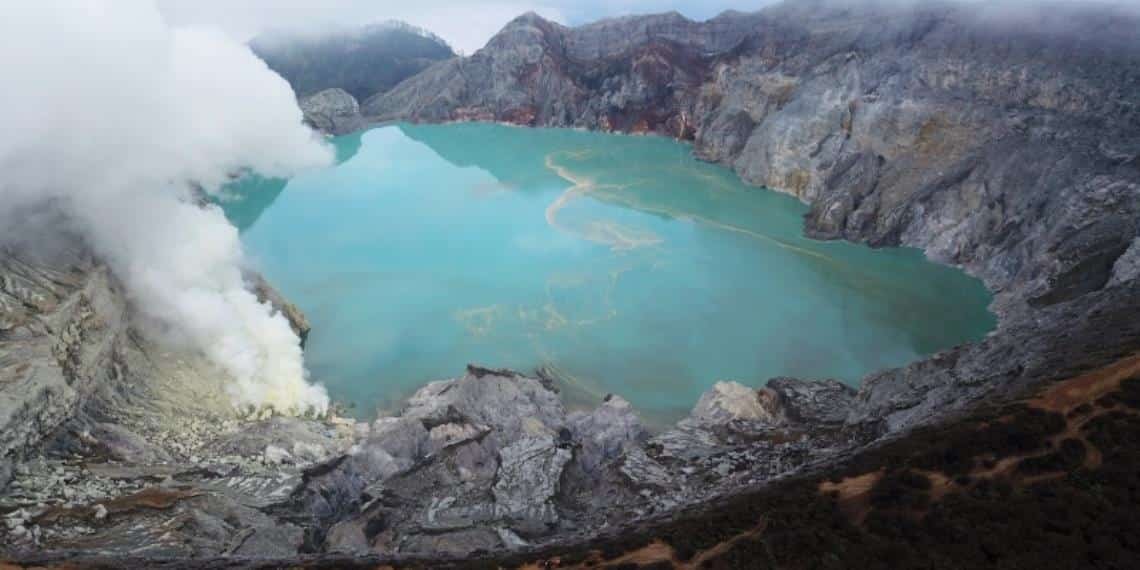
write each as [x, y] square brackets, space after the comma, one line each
[333, 111]
[728, 401]
[812, 403]
[607, 432]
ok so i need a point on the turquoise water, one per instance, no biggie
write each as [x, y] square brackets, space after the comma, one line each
[620, 263]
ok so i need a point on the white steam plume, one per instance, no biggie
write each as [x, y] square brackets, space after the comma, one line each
[111, 116]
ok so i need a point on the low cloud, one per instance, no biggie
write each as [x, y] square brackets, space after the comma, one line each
[465, 24]
[468, 24]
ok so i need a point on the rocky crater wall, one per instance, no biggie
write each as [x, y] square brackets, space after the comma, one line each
[1003, 145]
[999, 140]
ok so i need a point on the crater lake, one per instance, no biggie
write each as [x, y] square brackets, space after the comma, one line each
[616, 264]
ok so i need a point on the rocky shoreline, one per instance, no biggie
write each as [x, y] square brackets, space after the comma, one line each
[138, 463]
[140, 466]
[1012, 153]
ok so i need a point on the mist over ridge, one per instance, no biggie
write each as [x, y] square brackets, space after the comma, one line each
[362, 61]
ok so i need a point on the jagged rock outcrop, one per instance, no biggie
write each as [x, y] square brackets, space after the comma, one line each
[492, 461]
[333, 111]
[604, 434]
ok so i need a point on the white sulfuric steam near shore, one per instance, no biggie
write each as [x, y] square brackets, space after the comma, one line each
[112, 116]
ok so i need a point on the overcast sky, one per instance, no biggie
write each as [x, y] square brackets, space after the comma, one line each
[466, 24]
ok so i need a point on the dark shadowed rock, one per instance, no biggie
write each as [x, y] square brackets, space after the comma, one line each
[479, 452]
[806, 402]
[332, 111]
[605, 433]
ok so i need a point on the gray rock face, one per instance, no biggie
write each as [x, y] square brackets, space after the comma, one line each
[485, 451]
[61, 322]
[492, 461]
[332, 111]
[66, 343]
[606, 433]
[528, 477]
